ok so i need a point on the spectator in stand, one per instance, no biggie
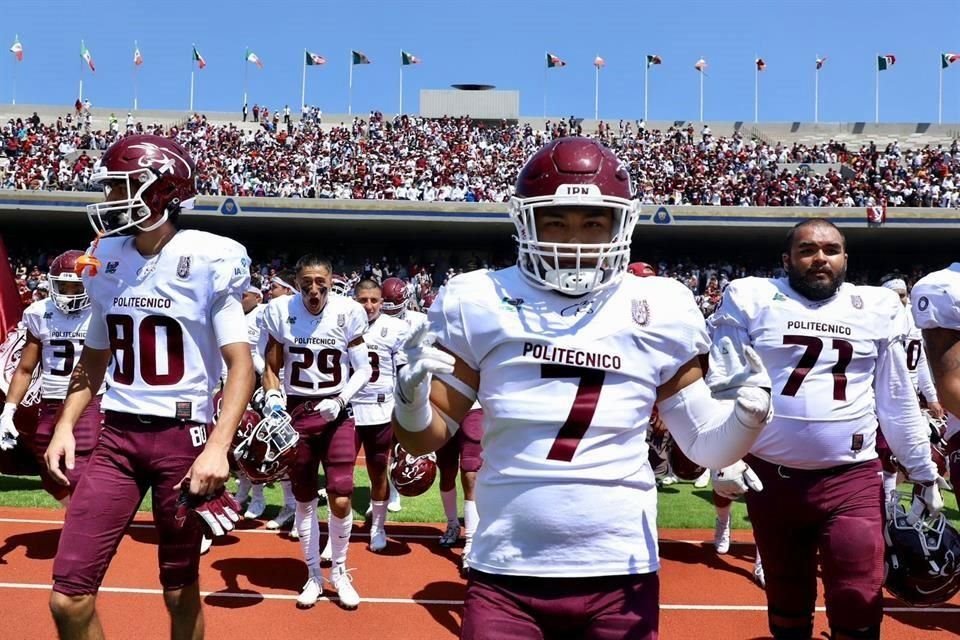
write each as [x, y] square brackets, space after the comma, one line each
[256, 112]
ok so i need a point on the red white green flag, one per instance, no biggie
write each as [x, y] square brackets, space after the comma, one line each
[820, 62]
[554, 61]
[946, 59]
[17, 49]
[137, 57]
[653, 59]
[250, 56]
[201, 63]
[313, 59]
[409, 58]
[886, 61]
[85, 54]
[358, 57]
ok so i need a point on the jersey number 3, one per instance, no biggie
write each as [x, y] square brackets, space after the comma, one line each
[581, 413]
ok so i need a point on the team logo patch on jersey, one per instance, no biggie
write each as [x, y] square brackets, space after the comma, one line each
[48, 315]
[779, 297]
[383, 332]
[580, 307]
[640, 311]
[513, 304]
[112, 266]
[923, 303]
[183, 267]
[857, 302]
[292, 320]
[183, 410]
[341, 320]
[856, 442]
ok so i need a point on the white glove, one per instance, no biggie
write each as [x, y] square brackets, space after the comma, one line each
[8, 430]
[927, 500]
[274, 402]
[423, 361]
[734, 481]
[734, 367]
[328, 409]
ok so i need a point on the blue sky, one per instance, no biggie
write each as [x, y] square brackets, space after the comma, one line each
[497, 42]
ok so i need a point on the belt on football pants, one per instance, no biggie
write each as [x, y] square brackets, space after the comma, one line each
[147, 421]
[792, 472]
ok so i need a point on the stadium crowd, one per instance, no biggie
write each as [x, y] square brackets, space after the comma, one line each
[458, 159]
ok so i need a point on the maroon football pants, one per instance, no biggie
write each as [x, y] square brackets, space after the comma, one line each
[837, 513]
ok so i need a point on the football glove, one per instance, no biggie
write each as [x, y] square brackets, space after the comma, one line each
[218, 510]
[927, 500]
[734, 481]
[8, 430]
[423, 361]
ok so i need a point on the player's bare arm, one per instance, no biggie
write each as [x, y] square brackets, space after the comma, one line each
[273, 362]
[943, 355]
[86, 380]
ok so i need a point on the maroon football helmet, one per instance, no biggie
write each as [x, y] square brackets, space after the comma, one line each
[395, 296]
[264, 449]
[427, 301]
[641, 269]
[573, 172]
[159, 177]
[63, 271]
[412, 475]
[682, 466]
[922, 559]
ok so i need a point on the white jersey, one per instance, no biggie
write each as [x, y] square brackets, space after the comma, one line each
[315, 361]
[414, 319]
[254, 325]
[935, 301]
[821, 357]
[567, 386]
[373, 404]
[61, 337]
[156, 316]
[913, 346]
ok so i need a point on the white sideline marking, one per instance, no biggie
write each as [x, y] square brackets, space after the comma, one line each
[392, 527]
[291, 596]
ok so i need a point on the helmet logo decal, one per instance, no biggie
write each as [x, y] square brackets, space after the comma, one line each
[160, 159]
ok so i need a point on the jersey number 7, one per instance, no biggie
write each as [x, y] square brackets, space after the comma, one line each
[814, 346]
[582, 411]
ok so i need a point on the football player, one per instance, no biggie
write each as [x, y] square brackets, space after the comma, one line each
[373, 405]
[165, 306]
[835, 353]
[315, 338]
[568, 357]
[936, 310]
[463, 452]
[56, 327]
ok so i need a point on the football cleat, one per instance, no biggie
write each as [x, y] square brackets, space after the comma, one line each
[310, 593]
[342, 581]
[758, 573]
[294, 534]
[703, 480]
[281, 519]
[451, 535]
[721, 535]
[393, 506]
[205, 544]
[378, 540]
[256, 508]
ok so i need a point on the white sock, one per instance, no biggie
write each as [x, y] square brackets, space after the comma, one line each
[379, 515]
[889, 486]
[470, 520]
[394, 494]
[449, 499]
[257, 491]
[723, 513]
[287, 491]
[305, 520]
[340, 529]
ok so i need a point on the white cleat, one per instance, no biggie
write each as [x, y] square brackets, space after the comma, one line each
[294, 534]
[721, 536]
[669, 479]
[451, 535]
[256, 508]
[205, 544]
[311, 593]
[286, 515]
[703, 480]
[326, 555]
[393, 506]
[342, 581]
[378, 540]
[758, 573]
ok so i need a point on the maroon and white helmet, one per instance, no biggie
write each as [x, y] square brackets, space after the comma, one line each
[396, 296]
[160, 180]
[579, 172]
[340, 284]
[412, 475]
[62, 271]
[264, 449]
[922, 559]
[427, 301]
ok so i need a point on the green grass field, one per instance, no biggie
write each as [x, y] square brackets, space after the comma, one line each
[681, 506]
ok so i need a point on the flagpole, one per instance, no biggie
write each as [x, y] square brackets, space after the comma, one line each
[544, 92]
[245, 67]
[940, 94]
[135, 67]
[596, 95]
[646, 73]
[401, 82]
[350, 87]
[82, 48]
[303, 85]
[701, 95]
[876, 99]
[15, 83]
[756, 90]
[816, 93]
[192, 71]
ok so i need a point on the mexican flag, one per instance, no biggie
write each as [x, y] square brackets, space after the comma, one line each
[409, 58]
[201, 63]
[653, 59]
[313, 58]
[137, 57]
[85, 54]
[946, 59]
[820, 62]
[358, 57]
[599, 62]
[554, 61]
[877, 215]
[885, 62]
[254, 58]
[17, 49]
